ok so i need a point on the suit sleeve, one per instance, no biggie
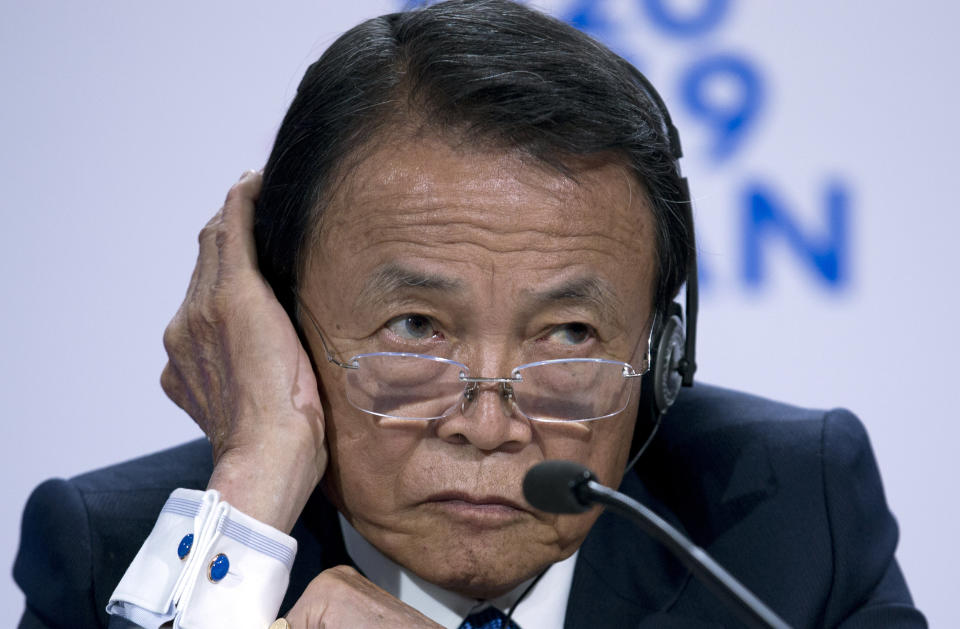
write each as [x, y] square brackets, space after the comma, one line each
[53, 564]
[868, 589]
[58, 563]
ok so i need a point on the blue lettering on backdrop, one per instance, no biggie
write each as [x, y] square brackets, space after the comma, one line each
[728, 121]
[671, 22]
[765, 218]
[726, 93]
[584, 15]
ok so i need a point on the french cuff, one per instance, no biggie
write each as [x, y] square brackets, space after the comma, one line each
[205, 565]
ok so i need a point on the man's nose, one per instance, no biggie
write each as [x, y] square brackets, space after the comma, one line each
[488, 419]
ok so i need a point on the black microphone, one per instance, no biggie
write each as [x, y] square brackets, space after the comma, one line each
[568, 487]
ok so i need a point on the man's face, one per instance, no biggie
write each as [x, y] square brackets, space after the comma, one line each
[493, 261]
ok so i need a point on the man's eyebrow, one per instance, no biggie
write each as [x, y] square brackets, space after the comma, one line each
[593, 292]
[393, 278]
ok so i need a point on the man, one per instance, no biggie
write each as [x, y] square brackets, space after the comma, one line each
[461, 254]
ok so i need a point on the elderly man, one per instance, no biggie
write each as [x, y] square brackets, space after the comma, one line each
[458, 262]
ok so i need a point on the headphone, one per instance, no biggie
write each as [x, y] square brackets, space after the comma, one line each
[673, 350]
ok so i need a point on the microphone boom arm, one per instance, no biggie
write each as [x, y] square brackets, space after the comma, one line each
[750, 609]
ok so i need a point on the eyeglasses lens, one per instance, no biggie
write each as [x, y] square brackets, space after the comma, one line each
[572, 391]
[405, 387]
[420, 387]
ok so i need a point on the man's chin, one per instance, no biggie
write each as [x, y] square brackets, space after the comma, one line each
[480, 581]
[481, 565]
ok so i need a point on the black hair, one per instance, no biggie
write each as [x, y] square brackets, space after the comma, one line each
[491, 73]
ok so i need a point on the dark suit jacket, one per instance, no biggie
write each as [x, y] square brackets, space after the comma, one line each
[788, 500]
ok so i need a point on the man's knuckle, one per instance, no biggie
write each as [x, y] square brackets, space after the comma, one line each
[236, 194]
[343, 571]
[320, 585]
[332, 580]
[168, 380]
[172, 336]
[206, 232]
[174, 387]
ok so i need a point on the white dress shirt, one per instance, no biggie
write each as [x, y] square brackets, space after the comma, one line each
[160, 586]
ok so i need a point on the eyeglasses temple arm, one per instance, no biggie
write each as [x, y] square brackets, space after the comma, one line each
[323, 342]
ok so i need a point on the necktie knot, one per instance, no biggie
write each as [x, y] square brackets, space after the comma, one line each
[488, 618]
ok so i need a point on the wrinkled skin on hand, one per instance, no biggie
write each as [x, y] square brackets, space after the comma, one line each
[342, 597]
[237, 367]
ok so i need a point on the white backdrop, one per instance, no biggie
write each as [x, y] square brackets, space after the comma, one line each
[820, 140]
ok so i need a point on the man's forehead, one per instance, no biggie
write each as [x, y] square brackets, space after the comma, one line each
[431, 173]
[438, 218]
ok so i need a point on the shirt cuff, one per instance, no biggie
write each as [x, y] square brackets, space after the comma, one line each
[205, 565]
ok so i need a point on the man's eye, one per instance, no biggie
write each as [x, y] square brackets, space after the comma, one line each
[412, 327]
[571, 333]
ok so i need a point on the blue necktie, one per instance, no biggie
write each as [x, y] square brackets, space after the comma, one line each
[489, 618]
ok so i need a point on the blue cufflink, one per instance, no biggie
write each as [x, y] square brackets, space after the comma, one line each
[219, 568]
[185, 545]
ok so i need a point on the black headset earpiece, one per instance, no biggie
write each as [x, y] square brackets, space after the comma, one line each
[667, 356]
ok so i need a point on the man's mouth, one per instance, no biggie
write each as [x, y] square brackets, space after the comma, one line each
[477, 509]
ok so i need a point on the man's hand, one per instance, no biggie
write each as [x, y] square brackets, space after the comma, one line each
[237, 367]
[341, 597]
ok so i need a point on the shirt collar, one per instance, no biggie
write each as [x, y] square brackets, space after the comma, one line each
[544, 607]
